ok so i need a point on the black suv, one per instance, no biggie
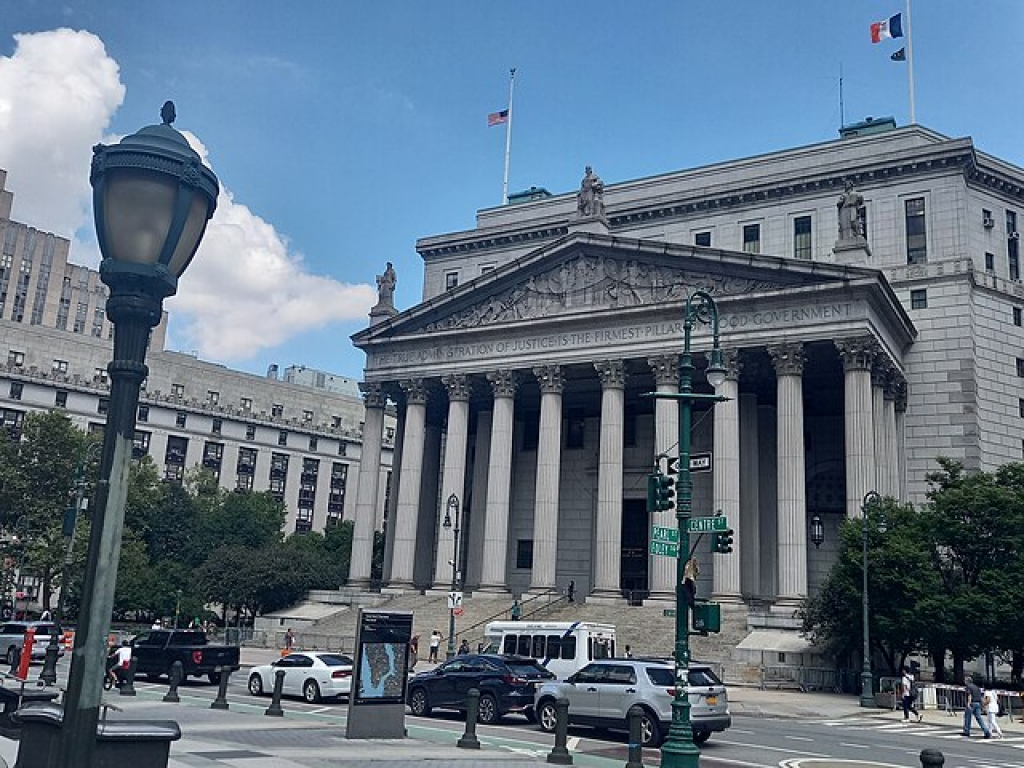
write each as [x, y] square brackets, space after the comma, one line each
[506, 684]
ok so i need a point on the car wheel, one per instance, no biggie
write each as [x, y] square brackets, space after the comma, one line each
[12, 656]
[530, 714]
[488, 713]
[418, 702]
[650, 730]
[547, 716]
[255, 685]
[311, 692]
[699, 737]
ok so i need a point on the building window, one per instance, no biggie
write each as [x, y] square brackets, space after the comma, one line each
[245, 468]
[802, 237]
[246, 404]
[174, 458]
[16, 389]
[276, 411]
[217, 425]
[181, 419]
[60, 366]
[250, 432]
[1012, 245]
[143, 414]
[278, 475]
[1018, 316]
[451, 280]
[702, 238]
[103, 406]
[15, 359]
[11, 422]
[282, 437]
[177, 390]
[752, 238]
[1020, 407]
[342, 448]
[140, 444]
[335, 422]
[304, 520]
[1020, 367]
[485, 268]
[61, 398]
[213, 453]
[990, 263]
[336, 497]
[919, 299]
[313, 443]
[524, 553]
[99, 375]
[917, 245]
[307, 416]
[212, 397]
[987, 221]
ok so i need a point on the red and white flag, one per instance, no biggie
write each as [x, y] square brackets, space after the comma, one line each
[497, 118]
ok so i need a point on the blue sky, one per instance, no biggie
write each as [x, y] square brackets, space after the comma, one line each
[344, 131]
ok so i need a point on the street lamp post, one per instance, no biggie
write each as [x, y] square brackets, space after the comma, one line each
[152, 199]
[867, 686]
[679, 750]
[452, 511]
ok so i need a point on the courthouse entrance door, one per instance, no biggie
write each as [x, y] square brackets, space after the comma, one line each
[634, 580]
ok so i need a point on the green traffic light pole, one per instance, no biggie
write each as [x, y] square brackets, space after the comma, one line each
[679, 751]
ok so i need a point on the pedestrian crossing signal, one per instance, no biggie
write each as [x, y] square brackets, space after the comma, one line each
[722, 543]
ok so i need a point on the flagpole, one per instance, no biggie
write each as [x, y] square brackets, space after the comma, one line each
[508, 135]
[910, 63]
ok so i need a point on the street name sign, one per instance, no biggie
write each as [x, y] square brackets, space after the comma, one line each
[700, 462]
[707, 524]
[664, 548]
[664, 533]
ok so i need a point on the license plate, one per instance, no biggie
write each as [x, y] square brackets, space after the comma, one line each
[712, 700]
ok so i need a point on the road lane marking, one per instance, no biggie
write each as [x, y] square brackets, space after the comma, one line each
[740, 730]
[854, 746]
[788, 751]
[572, 743]
[799, 738]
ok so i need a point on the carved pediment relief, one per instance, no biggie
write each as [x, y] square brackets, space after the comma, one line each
[585, 283]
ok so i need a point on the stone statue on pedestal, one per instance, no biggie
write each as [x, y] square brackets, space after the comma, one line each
[386, 287]
[590, 198]
[851, 225]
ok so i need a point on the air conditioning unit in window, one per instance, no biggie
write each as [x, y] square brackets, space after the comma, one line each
[988, 222]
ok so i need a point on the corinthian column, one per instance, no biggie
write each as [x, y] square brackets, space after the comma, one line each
[788, 360]
[608, 539]
[878, 374]
[662, 570]
[892, 465]
[407, 509]
[549, 461]
[499, 481]
[858, 355]
[374, 400]
[453, 476]
[726, 586]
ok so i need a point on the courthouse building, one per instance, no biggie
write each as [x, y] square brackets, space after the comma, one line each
[871, 310]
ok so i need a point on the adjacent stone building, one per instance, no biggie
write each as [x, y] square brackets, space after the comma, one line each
[871, 313]
[300, 439]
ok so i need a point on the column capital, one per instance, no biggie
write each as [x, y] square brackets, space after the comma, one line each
[612, 373]
[788, 359]
[503, 383]
[374, 395]
[857, 354]
[666, 369]
[733, 364]
[457, 385]
[415, 391]
[550, 378]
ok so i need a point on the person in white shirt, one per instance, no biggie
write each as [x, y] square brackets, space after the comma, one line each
[991, 704]
[122, 661]
[435, 644]
[909, 697]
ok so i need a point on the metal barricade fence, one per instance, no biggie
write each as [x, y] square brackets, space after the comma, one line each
[804, 678]
[950, 698]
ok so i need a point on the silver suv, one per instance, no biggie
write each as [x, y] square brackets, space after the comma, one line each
[12, 635]
[601, 694]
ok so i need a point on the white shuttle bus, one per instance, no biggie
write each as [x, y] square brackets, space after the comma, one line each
[562, 646]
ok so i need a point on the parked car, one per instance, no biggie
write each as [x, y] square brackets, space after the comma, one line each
[312, 675]
[156, 650]
[506, 684]
[601, 694]
[12, 635]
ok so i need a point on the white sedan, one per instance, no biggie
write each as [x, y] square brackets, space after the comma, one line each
[311, 675]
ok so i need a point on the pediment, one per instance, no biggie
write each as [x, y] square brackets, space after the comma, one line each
[588, 273]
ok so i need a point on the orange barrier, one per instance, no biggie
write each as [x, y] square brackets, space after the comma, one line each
[68, 640]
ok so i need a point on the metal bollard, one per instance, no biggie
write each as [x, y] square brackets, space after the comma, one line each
[221, 702]
[636, 737]
[171, 697]
[559, 755]
[469, 739]
[48, 675]
[128, 686]
[274, 710]
[931, 758]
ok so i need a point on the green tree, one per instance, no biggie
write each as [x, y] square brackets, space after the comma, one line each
[252, 520]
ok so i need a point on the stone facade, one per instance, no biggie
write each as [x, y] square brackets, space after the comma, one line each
[853, 364]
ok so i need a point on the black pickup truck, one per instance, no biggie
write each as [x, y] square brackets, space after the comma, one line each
[158, 649]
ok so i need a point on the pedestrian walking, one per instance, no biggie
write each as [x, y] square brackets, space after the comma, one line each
[435, 645]
[991, 703]
[289, 639]
[516, 610]
[571, 592]
[464, 647]
[414, 651]
[629, 652]
[974, 697]
[909, 686]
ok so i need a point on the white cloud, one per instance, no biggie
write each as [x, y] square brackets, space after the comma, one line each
[246, 289]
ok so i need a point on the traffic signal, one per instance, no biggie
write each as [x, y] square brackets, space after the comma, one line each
[660, 492]
[722, 543]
